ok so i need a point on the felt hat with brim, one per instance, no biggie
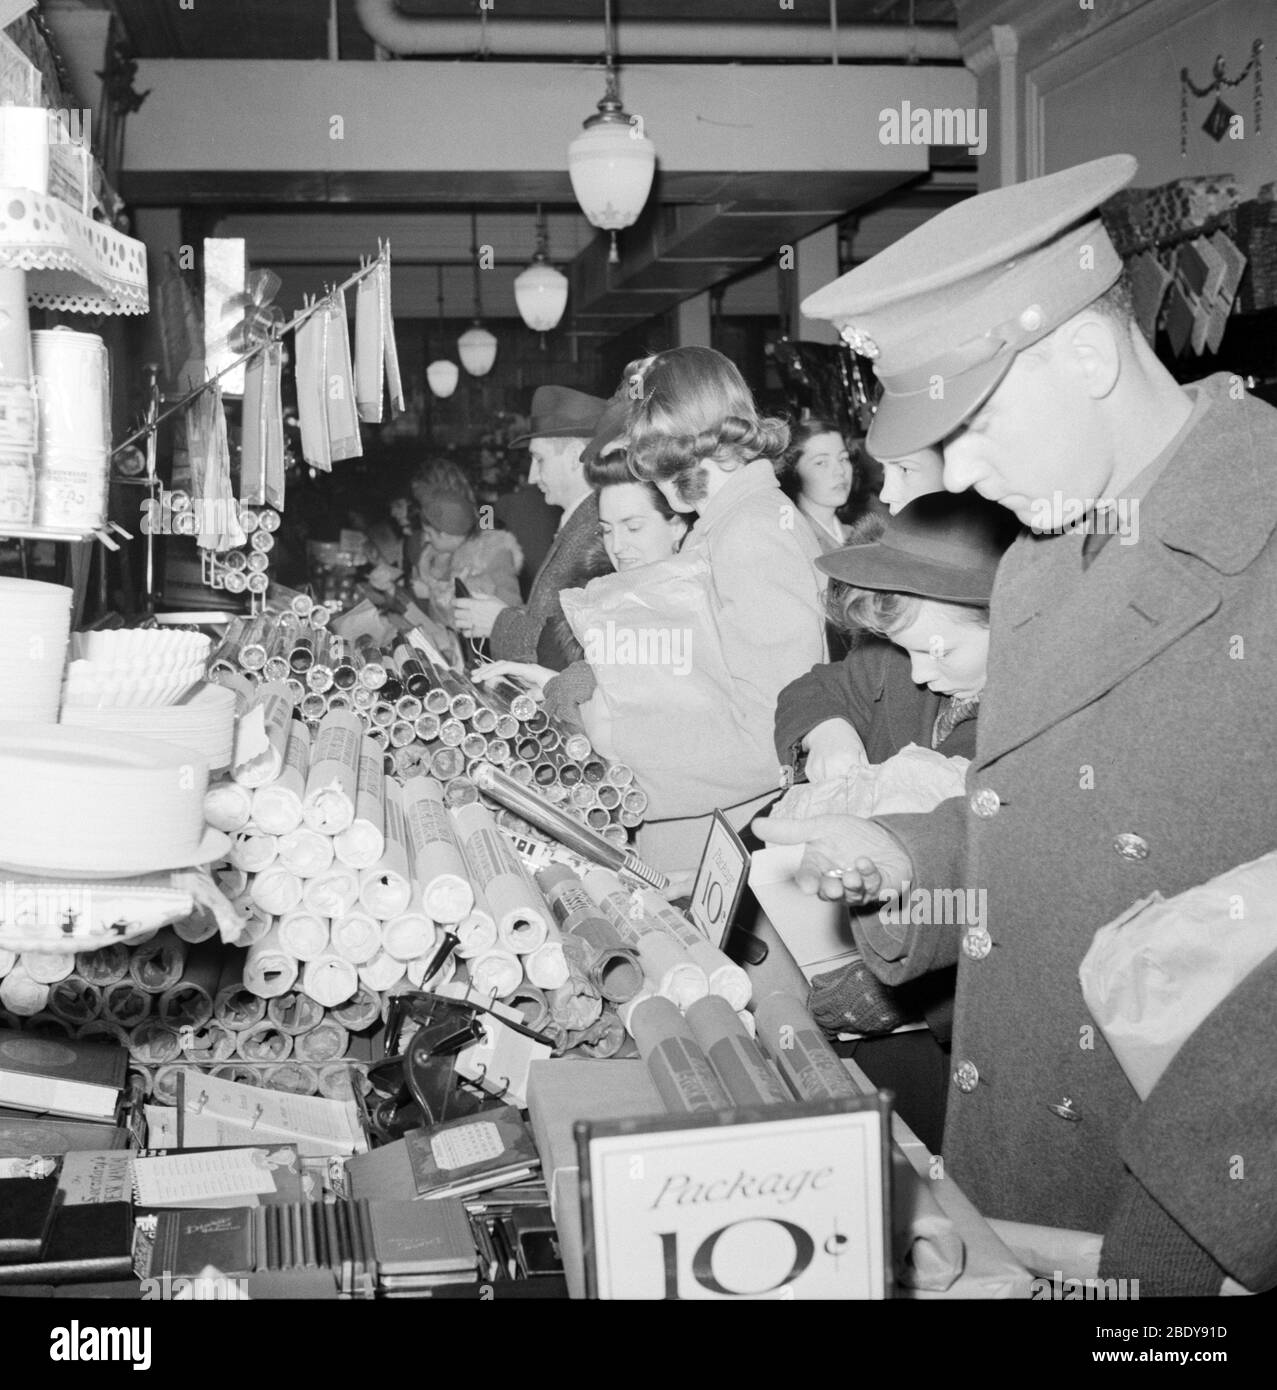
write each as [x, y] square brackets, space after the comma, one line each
[943, 546]
[559, 412]
[942, 312]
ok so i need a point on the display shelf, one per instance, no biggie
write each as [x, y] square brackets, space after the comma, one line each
[72, 263]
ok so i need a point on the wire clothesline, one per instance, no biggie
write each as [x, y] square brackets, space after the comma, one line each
[150, 426]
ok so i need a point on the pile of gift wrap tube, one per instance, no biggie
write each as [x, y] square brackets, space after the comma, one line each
[425, 717]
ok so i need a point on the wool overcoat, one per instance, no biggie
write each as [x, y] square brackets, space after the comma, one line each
[1127, 743]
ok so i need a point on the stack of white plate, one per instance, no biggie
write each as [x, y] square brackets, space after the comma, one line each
[203, 719]
[142, 667]
[34, 622]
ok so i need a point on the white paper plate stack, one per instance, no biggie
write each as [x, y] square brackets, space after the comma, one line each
[138, 667]
[34, 621]
[203, 720]
[84, 802]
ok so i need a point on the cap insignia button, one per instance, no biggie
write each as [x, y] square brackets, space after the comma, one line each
[1131, 846]
[861, 342]
[1031, 319]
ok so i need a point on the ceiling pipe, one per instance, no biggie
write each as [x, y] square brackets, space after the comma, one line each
[389, 27]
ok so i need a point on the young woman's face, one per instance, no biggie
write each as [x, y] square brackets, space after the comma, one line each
[915, 475]
[949, 652]
[443, 541]
[824, 470]
[634, 532]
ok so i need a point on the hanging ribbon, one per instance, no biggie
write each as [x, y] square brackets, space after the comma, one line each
[262, 320]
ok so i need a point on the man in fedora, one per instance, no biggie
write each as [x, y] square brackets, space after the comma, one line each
[1126, 744]
[563, 423]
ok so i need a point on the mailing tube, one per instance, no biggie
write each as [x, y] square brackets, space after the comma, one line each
[726, 978]
[332, 893]
[438, 866]
[476, 933]
[76, 1001]
[361, 844]
[303, 934]
[382, 971]
[294, 1012]
[416, 971]
[446, 763]
[158, 965]
[670, 971]
[461, 791]
[385, 890]
[328, 805]
[305, 852]
[261, 736]
[228, 806]
[105, 966]
[356, 937]
[329, 980]
[611, 966]
[275, 890]
[407, 936]
[277, 806]
[675, 1061]
[269, 970]
[737, 1059]
[523, 923]
[496, 973]
[531, 1003]
[792, 1040]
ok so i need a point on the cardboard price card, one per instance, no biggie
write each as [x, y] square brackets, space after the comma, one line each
[789, 1202]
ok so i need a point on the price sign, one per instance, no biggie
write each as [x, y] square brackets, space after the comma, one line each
[720, 881]
[782, 1202]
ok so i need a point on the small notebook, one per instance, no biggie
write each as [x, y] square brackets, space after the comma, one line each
[473, 1154]
[421, 1238]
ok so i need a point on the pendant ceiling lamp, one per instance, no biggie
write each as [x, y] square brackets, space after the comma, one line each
[443, 373]
[540, 291]
[611, 162]
[478, 348]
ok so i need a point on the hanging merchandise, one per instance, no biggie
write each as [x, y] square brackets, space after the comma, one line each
[309, 346]
[261, 476]
[216, 515]
[376, 354]
[339, 381]
[73, 394]
[1222, 120]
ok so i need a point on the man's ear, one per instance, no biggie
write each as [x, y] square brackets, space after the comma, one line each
[1092, 345]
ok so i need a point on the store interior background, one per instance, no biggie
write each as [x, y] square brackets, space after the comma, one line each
[764, 142]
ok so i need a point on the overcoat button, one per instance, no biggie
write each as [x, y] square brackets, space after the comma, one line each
[966, 1077]
[985, 803]
[1064, 1109]
[977, 943]
[1131, 846]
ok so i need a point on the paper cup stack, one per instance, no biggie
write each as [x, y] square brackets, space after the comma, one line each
[34, 622]
[203, 720]
[72, 390]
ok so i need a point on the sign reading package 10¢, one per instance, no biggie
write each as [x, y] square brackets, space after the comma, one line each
[787, 1202]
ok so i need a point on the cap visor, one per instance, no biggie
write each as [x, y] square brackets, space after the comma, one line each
[877, 567]
[904, 424]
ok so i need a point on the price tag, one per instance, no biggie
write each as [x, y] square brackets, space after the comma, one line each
[720, 881]
[782, 1202]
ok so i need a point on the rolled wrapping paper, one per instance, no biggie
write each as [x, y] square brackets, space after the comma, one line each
[277, 805]
[210, 1042]
[929, 1252]
[676, 1062]
[269, 970]
[360, 1011]
[438, 868]
[234, 1006]
[252, 852]
[794, 1042]
[295, 1012]
[416, 971]
[330, 980]
[667, 967]
[305, 852]
[612, 966]
[263, 1042]
[153, 1043]
[531, 1003]
[46, 967]
[409, 935]
[159, 964]
[325, 1042]
[275, 890]
[604, 1038]
[231, 881]
[100, 1030]
[522, 918]
[261, 736]
[356, 937]
[241, 1072]
[228, 806]
[303, 934]
[126, 1004]
[256, 924]
[382, 971]
[200, 925]
[75, 1001]
[22, 995]
[296, 1078]
[328, 804]
[8, 959]
[476, 933]
[104, 966]
[335, 1080]
[386, 889]
[726, 978]
[736, 1058]
[332, 893]
[576, 1003]
[361, 844]
[166, 1082]
[497, 973]
[189, 1002]
[47, 1025]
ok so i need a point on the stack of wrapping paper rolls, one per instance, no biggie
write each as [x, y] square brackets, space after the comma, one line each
[422, 716]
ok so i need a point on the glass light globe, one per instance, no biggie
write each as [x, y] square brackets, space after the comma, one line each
[443, 376]
[478, 349]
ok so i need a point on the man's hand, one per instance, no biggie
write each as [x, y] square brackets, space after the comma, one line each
[474, 617]
[834, 750]
[847, 857]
